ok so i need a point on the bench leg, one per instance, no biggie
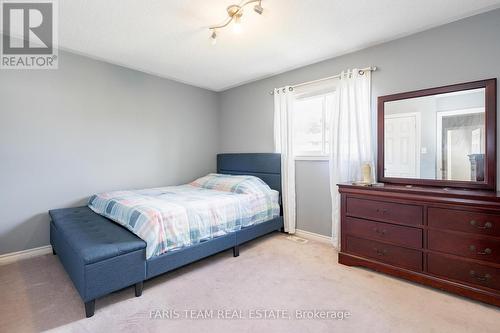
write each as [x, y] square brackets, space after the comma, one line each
[138, 288]
[236, 251]
[89, 308]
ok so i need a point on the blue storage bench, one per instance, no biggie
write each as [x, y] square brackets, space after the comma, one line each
[98, 255]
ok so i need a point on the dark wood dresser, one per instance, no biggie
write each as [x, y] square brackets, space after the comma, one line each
[444, 238]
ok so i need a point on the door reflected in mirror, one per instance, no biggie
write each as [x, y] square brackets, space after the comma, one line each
[440, 137]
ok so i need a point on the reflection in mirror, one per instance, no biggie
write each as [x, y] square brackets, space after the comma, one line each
[436, 137]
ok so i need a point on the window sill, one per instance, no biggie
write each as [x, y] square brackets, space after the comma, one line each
[311, 158]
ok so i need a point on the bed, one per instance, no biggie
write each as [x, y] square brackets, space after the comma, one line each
[102, 256]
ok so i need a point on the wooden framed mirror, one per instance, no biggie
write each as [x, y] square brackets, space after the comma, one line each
[443, 136]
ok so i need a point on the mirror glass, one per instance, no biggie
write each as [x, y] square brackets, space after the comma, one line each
[438, 137]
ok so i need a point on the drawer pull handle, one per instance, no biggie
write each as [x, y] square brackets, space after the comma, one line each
[483, 278]
[486, 251]
[380, 252]
[487, 225]
[380, 232]
[382, 210]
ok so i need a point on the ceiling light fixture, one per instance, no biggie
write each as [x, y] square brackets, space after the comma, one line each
[234, 13]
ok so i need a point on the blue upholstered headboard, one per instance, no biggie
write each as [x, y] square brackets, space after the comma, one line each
[266, 166]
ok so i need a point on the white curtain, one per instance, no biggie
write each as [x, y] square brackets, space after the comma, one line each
[351, 140]
[283, 127]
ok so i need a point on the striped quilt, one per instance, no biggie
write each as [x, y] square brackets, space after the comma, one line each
[169, 218]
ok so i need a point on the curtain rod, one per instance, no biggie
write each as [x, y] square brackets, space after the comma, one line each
[360, 71]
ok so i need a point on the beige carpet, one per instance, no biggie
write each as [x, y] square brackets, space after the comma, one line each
[272, 273]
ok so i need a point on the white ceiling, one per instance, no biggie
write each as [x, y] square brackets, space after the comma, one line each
[169, 38]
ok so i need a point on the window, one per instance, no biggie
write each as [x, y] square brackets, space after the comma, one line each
[311, 120]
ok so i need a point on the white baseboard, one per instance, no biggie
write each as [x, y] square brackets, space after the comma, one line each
[313, 236]
[9, 258]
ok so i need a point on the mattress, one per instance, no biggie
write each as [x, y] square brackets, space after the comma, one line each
[174, 217]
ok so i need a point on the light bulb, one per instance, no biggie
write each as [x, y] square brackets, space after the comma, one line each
[258, 9]
[237, 24]
[213, 37]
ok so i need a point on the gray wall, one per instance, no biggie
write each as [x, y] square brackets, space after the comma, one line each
[313, 197]
[91, 127]
[462, 51]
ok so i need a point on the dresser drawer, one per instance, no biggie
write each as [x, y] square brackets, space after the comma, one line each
[406, 236]
[384, 211]
[462, 270]
[477, 223]
[394, 255]
[469, 246]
